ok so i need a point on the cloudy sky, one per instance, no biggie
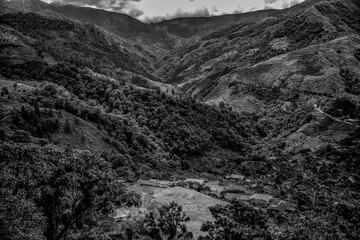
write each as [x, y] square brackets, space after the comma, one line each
[155, 10]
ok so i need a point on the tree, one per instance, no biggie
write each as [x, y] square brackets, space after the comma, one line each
[56, 195]
[4, 91]
[19, 217]
[170, 222]
[357, 54]
[80, 195]
[237, 221]
[67, 127]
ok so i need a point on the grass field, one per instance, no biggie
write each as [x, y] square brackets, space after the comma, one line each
[195, 205]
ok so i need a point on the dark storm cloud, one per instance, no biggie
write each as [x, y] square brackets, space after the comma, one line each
[113, 5]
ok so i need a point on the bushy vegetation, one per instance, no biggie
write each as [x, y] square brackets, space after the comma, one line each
[168, 222]
[150, 121]
[81, 44]
[52, 194]
[352, 83]
[341, 15]
[236, 221]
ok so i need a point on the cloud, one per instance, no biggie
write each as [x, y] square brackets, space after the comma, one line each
[135, 12]
[237, 11]
[290, 4]
[215, 9]
[294, 2]
[253, 9]
[268, 7]
[267, 2]
[285, 5]
[200, 12]
[154, 19]
[112, 5]
[135, 8]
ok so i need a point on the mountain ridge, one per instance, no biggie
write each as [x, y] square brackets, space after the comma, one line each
[157, 35]
[284, 36]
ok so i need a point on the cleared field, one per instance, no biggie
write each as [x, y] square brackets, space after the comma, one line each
[195, 205]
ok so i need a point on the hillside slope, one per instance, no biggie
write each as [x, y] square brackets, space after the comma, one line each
[274, 71]
[196, 27]
[119, 24]
[278, 72]
[272, 98]
[23, 6]
[122, 25]
[48, 41]
[210, 68]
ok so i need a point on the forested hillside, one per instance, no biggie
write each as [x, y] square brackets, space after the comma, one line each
[92, 101]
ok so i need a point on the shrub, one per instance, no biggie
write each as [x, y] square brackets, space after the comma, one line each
[170, 222]
[237, 221]
[4, 91]
[67, 127]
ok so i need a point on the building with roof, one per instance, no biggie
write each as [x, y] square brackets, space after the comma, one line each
[195, 180]
[235, 177]
[152, 183]
[122, 214]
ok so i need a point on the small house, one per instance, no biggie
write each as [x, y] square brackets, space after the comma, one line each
[164, 183]
[122, 214]
[236, 196]
[152, 183]
[195, 180]
[235, 177]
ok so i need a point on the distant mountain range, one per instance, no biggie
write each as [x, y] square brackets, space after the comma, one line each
[220, 59]
[163, 35]
[253, 62]
[299, 49]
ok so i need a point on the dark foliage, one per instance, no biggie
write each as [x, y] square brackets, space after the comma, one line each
[352, 83]
[185, 127]
[79, 44]
[169, 222]
[58, 195]
[236, 221]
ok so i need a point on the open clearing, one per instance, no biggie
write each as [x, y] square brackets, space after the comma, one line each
[195, 205]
